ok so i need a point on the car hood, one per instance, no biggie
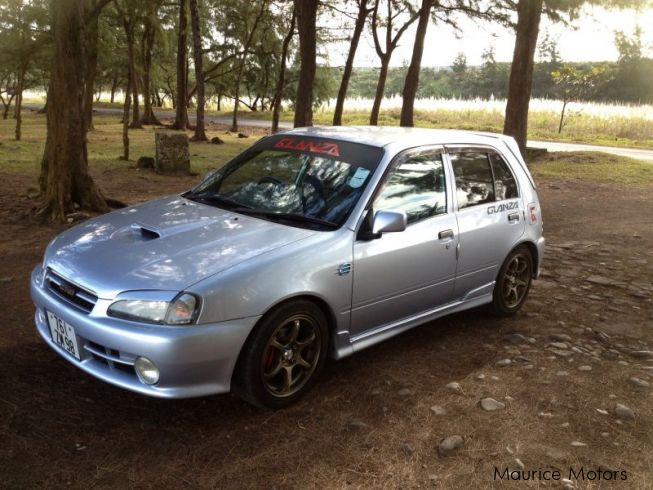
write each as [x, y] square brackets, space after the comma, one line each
[168, 244]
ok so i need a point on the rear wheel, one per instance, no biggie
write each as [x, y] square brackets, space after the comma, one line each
[513, 282]
[283, 356]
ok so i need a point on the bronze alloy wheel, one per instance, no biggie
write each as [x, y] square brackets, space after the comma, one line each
[516, 280]
[513, 282]
[291, 355]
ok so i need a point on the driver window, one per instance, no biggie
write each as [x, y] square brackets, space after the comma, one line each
[416, 185]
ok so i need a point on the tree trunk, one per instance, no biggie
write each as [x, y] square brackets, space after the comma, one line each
[380, 90]
[125, 119]
[281, 80]
[91, 38]
[246, 48]
[19, 101]
[363, 12]
[114, 86]
[65, 180]
[521, 71]
[411, 82]
[181, 110]
[562, 116]
[200, 134]
[133, 82]
[306, 17]
[147, 45]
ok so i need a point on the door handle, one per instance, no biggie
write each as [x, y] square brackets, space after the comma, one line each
[513, 217]
[445, 234]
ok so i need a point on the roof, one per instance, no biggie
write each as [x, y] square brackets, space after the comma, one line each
[385, 135]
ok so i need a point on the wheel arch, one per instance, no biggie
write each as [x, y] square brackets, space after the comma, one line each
[532, 248]
[316, 300]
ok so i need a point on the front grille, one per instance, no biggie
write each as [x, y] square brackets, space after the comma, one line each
[69, 292]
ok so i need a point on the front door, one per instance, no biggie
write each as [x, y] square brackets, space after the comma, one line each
[401, 274]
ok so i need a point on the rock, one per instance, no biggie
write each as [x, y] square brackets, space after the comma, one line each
[356, 425]
[601, 411]
[545, 415]
[77, 216]
[585, 367]
[217, 141]
[559, 345]
[172, 155]
[504, 362]
[600, 280]
[406, 392]
[6, 279]
[514, 338]
[454, 386]
[519, 463]
[605, 434]
[407, 449]
[449, 445]
[562, 353]
[560, 337]
[438, 410]
[562, 373]
[243, 135]
[491, 405]
[624, 412]
[145, 162]
[567, 484]
[480, 377]
[578, 444]
[642, 354]
[433, 478]
[556, 454]
[565, 425]
[638, 383]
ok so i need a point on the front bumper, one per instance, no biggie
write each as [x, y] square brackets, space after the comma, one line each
[193, 361]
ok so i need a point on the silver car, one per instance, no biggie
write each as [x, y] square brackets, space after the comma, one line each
[312, 243]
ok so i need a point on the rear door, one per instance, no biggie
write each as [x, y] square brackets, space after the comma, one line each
[401, 274]
[490, 216]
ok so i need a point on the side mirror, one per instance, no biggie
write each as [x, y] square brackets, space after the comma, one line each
[389, 221]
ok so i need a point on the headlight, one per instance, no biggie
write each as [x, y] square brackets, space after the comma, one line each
[180, 311]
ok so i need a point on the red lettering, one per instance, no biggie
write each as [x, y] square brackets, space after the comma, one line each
[330, 149]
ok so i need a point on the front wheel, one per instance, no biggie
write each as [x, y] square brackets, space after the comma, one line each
[513, 282]
[283, 356]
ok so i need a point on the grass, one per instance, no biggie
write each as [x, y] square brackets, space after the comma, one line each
[105, 147]
[593, 167]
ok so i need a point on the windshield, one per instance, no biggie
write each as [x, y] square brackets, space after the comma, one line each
[301, 181]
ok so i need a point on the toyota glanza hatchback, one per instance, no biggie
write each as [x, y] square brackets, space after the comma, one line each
[312, 243]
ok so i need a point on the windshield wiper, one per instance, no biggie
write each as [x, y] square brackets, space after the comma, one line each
[214, 199]
[286, 216]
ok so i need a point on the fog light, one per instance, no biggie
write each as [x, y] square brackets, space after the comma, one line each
[146, 370]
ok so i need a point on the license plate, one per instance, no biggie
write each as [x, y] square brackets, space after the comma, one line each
[63, 334]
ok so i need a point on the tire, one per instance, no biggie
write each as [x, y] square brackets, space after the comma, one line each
[513, 282]
[283, 356]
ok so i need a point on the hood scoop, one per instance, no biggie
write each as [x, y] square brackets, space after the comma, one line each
[145, 232]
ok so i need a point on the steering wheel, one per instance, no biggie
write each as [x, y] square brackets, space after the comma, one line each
[269, 179]
[315, 183]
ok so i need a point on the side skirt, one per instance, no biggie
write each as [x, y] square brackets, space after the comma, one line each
[346, 345]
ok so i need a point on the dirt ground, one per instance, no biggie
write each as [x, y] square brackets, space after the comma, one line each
[375, 419]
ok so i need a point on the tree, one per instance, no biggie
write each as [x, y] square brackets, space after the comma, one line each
[150, 27]
[521, 70]
[573, 84]
[306, 11]
[181, 107]
[200, 134]
[281, 78]
[412, 76]
[249, 31]
[396, 9]
[529, 13]
[363, 13]
[65, 182]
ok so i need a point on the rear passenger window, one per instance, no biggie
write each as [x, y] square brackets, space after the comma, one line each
[416, 185]
[474, 183]
[505, 186]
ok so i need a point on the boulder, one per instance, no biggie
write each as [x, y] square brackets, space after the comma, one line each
[172, 155]
[145, 162]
